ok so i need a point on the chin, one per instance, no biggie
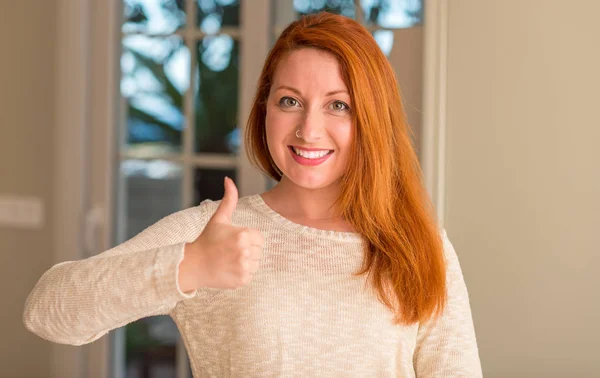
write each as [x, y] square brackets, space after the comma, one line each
[312, 183]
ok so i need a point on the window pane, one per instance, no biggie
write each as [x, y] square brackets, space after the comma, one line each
[152, 191]
[212, 14]
[152, 16]
[385, 40]
[155, 76]
[151, 348]
[287, 11]
[393, 13]
[208, 183]
[216, 99]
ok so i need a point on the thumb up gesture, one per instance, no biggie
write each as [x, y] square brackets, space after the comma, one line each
[223, 256]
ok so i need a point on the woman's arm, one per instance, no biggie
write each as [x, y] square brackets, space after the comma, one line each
[447, 347]
[77, 302]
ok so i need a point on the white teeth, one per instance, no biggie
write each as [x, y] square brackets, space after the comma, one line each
[310, 154]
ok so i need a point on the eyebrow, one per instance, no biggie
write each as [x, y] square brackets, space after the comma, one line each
[300, 94]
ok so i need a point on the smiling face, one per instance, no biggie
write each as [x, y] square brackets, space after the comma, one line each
[309, 98]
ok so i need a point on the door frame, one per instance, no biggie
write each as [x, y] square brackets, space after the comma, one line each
[433, 142]
[71, 116]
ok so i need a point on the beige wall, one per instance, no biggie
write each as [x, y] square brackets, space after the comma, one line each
[407, 59]
[522, 184]
[27, 41]
[523, 180]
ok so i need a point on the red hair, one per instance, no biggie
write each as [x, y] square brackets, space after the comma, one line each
[382, 194]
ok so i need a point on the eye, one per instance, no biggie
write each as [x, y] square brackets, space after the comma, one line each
[339, 106]
[288, 102]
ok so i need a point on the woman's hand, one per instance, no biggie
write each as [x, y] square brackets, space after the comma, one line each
[223, 256]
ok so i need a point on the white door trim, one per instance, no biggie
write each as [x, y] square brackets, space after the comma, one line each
[103, 356]
[255, 45]
[434, 102]
[77, 90]
[72, 63]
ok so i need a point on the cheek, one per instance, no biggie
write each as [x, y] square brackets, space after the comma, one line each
[270, 129]
[278, 126]
[275, 133]
[344, 134]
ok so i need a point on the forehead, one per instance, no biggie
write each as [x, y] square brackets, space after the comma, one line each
[309, 69]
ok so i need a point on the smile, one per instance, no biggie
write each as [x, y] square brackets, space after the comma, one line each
[312, 157]
[310, 154]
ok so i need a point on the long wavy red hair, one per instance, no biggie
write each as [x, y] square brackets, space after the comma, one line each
[382, 194]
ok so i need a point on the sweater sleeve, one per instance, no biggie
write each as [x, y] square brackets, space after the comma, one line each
[447, 347]
[77, 302]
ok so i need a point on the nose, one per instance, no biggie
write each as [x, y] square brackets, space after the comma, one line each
[312, 127]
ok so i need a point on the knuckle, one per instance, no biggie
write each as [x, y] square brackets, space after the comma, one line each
[243, 280]
[241, 237]
[243, 255]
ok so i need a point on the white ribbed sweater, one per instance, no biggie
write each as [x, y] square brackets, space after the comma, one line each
[302, 315]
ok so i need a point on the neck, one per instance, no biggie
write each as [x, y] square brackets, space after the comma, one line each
[298, 202]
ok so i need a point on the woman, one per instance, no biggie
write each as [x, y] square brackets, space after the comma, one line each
[339, 271]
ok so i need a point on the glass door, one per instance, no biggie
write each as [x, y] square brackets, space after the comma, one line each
[179, 136]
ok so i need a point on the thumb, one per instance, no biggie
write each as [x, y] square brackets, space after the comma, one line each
[228, 203]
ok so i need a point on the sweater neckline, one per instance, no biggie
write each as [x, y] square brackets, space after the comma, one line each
[259, 204]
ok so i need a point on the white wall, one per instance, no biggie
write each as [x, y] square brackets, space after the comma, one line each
[523, 180]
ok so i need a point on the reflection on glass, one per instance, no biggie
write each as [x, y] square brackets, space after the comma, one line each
[287, 11]
[216, 99]
[393, 14]
[152, 16]
[208, 183]
[212, 14]
[343, 7]
[155, 76]
[153, 191]
[385, 40]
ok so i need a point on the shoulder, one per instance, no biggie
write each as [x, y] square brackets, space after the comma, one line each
[449, 252]
[453, 267]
